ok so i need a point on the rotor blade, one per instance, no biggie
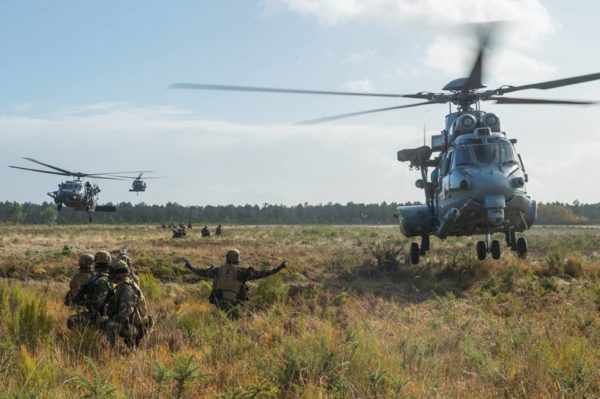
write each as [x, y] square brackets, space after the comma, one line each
[200, 86]
[485, 31]
[115, 173]
[106, 177]
[52, 167]
[512, 100]
[341, 116]
[551, 84]
[137, 178]
[41, 171]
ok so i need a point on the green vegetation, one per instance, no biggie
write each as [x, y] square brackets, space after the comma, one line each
[350, 213]
[350, 317]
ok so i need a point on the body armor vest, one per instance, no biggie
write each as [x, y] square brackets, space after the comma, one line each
[227, 284]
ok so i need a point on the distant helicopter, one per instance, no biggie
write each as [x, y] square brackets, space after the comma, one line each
[77, 194]
[477, 185]
[139, 185]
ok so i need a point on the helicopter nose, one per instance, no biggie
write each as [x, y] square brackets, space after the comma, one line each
[495, 209]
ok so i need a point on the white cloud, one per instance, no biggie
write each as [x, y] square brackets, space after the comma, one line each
[363, 85]
[449, 53]
[359, 56]
[208, 162]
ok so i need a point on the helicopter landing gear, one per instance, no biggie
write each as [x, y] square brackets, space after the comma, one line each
[495, 249]
[424, 245]
[481, 250]
[522, 247]
[511, 240]
[416, 252]
[59, 206]
[489, 245]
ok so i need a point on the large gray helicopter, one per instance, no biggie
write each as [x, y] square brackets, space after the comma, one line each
[77, 194]
[477, 183]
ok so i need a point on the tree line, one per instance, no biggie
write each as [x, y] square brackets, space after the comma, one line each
[330, 213]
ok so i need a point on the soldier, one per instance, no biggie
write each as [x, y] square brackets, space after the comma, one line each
[205, 231]
[129, 263]
[229, 281]
[93, 294]
[190, 224]
[86, 271]
[219, 231]
[126, 312]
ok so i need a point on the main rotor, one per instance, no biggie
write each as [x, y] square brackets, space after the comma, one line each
[463, 92]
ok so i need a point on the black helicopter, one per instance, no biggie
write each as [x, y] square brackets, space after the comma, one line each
[77, 194]
[139, 185]
[477, 185]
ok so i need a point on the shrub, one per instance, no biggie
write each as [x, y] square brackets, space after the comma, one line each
[96, 386]
[573, 267]
[386, 256]
[270, 291]
[150, 286]
[26, 316]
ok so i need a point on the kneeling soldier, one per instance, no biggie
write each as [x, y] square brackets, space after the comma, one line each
[229, 281]
[126, 308]
[86, 271]
[93, 294]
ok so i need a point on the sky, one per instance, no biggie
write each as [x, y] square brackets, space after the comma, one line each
[84, 86]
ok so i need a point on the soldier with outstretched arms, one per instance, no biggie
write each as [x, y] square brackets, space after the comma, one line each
[229, 281]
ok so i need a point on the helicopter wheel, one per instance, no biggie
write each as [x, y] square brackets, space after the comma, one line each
[495, 250]
[414, 253]
[481, 250]
[522, 247]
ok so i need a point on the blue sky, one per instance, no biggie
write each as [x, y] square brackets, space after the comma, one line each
[83, 85]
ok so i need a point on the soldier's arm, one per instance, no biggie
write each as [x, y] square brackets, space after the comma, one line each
[103, 294]
[248, 274]
[206, 273]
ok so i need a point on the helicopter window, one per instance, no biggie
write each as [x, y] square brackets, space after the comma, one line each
[507, 153]
[487, 153]
[445, 164]
[462, 157]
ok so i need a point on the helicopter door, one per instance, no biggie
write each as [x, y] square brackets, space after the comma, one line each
[444, 178]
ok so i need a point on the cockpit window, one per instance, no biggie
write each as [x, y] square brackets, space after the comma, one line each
[507, 153]
[487, 153]
[462, 157]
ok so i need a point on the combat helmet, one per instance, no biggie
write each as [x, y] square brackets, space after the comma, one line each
[86, 262]
[125, 258]
[102, 260]
[233, 257]
[118, 267]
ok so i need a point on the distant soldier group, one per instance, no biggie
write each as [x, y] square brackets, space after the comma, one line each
[110, 294]
[179, 231]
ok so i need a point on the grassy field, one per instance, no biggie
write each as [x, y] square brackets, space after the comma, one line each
[349, 318]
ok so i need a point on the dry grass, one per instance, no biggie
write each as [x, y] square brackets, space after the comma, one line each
[452, 327]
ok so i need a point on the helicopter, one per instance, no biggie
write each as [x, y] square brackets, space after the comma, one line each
[477, 183]
[77, 194]
[139, 185]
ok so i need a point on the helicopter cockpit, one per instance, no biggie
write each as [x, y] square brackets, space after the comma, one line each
[478, 153]
[70, 187]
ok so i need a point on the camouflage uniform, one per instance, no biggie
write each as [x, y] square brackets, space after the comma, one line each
[229, 282]
[205, 231]
[129, 262]
[219, 230]
[126, 309]
[92, 295]
[86, 271]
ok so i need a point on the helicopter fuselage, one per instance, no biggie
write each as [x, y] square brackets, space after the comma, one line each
[76, 195]
[477, 185]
